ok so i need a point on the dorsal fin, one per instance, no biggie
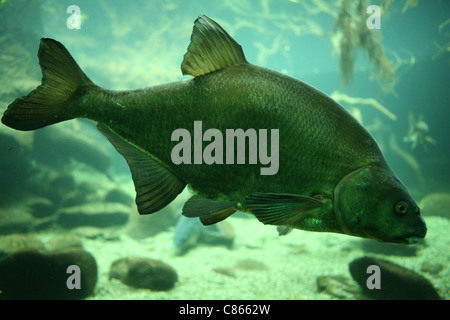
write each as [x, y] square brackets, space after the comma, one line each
[211, 49]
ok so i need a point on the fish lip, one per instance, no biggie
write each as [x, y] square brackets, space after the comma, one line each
[407, 240]
[414, 239]
[418, 235]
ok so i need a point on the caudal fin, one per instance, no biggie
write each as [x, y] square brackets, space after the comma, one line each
[45, 105]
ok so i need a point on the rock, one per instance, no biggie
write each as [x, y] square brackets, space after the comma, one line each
[224, 237]
[190, 232]
[241, 265]
[62, 183]
[15, 220]
[338, 287]
[89, 232]
[15, 242]
[63, 142]
[74, 198]
[82, 193]
[31, 274]
[143, 226]
[51, 184]
[436, 204]
[96, 214]
[41, 207]
[117, 195]
[15, 162]
[229, 272]
[144, 273]
[397, 282]
[40, 224]
[250, 264]
[15, 143]
[432, 268]
[63, 242]
[97, 233]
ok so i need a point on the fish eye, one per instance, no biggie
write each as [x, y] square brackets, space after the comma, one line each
[401, 207]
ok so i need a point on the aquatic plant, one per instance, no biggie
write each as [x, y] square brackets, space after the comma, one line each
[352, 34]
[444, 48]
[409, 4]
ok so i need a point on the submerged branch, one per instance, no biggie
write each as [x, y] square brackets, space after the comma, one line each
[352, 34]
[363, 101]
[407, 157]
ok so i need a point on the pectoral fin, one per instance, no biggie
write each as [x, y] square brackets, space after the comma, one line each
[155, 185]
[210, 211]
[281, 209]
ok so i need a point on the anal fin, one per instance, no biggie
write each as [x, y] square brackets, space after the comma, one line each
[210, 211]
[155, 185]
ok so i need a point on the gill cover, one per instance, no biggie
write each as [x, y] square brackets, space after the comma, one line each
[348, 209]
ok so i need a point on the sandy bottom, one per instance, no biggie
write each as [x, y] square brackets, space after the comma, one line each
[293, 263]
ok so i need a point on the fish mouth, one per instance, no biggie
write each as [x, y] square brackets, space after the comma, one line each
[419, 233]
[408, 240]
[416, 237]
[413, 239]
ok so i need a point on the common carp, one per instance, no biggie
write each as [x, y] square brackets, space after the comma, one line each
[332, 177]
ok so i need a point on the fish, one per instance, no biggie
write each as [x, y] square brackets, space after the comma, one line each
[418, 133]
[188, 233]
[332, 176]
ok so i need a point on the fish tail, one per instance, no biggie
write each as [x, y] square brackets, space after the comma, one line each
[48, 103]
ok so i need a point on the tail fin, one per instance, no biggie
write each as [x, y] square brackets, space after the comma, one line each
[45, 105]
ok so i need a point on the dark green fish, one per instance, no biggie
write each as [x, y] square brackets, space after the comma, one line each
[332, 176]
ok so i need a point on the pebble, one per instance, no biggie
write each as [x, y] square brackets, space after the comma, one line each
[32, 274]
[396, 282]
[15, 242]
[436, 204]
[338, 287]
[144, 273]
[96, 214]
[432, 268]
[15, 220]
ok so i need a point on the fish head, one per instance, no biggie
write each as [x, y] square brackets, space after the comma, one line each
[372, 202]
[422, 128]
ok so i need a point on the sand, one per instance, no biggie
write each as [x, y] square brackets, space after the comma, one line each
[293, 263]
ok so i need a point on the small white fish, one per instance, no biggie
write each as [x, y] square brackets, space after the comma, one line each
[418, 133]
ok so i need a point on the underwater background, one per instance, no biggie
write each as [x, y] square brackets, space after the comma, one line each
[67, 198]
